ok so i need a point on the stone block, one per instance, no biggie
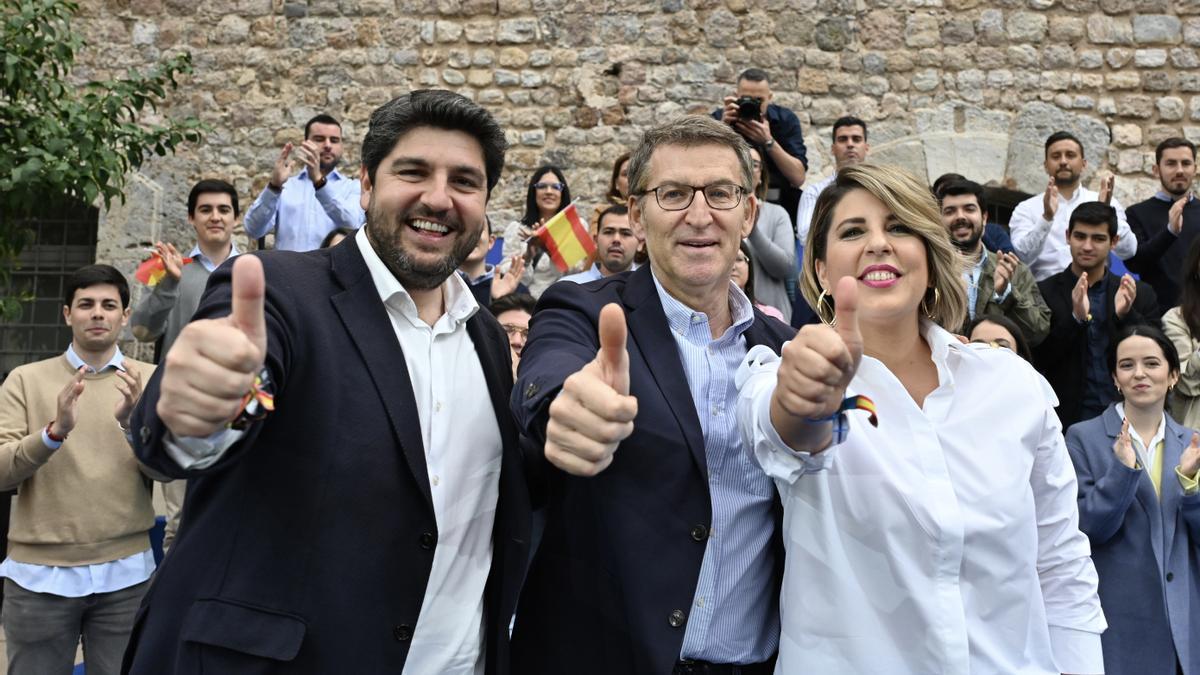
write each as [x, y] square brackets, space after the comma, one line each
[1090, 59]
[480, 32]
[1122, 81]
[991, 28]
[1058, 56]
[1027, 27]
[1067, 29]
[1117, 57]
[1157, 80]
[1156, 29]
[517, 31]
[1150, 58]
[921, 30]
[1109, 30]
[1170, 108]
[833, 34]
[1183, 57]
[926, 80]
[1024, 56]
[1107, 105]
[957, 31]
[1126, 135]
[1136, 106]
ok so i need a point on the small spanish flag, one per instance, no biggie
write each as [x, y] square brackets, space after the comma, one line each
[152, 270]
[566, 239]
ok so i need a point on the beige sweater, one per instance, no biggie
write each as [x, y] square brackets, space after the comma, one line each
[87, 502]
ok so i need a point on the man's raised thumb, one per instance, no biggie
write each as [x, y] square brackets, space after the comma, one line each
[845, 298]
[249, 286]
[613, 358]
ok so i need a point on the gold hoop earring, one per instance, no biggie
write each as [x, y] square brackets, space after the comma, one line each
[925, 308]
[820, 308]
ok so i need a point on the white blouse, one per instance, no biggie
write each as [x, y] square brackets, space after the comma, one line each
[944, 541]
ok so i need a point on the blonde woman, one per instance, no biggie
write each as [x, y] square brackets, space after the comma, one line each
[933, 528]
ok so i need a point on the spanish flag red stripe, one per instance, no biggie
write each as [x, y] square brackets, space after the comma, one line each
[566, 239]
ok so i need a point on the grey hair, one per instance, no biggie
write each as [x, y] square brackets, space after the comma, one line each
[690, 131]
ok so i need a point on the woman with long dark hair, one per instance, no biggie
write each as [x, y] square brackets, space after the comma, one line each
[548, 193]
[1139, 505]
[1182, 326]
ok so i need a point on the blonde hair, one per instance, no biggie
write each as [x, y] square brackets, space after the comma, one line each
[906, 197]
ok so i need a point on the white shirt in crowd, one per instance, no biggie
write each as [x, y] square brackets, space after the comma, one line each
[808, 203]
[1042, 244]
[462, 454]
[944, 541]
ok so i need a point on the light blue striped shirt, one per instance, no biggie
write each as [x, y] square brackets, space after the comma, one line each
[734, 617]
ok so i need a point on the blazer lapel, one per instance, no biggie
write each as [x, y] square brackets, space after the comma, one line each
[1144, 495]
[649, 329]
[368, 325]
[1175, 441]
[496, 371]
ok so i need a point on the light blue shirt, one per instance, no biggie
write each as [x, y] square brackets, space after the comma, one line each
[301, 216]
[81, 580]
[590, 274]
[971, 276]
[734, 617]
[198, 256]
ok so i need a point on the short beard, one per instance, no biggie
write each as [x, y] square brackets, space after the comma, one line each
[969, 245]
[1167, 189]
[384, 235]
[615, 266]
[1066, 182]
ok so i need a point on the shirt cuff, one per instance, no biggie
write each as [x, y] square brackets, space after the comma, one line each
[1076, 651]
[1190, 485]
[200, 453]
[53, 445]
[1001, 297]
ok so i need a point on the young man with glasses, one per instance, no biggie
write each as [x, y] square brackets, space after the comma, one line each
[633, 556]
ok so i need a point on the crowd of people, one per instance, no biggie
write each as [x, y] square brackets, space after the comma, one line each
[773, 424]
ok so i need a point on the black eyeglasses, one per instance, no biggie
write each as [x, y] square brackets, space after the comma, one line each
[557, 187]
[675, 197]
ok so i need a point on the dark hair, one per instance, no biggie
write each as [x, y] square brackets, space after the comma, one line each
[1063, 136]
[439, 109]
[94, 275]
[1022, 346]
[1147, 331]
[942, 180]
[1094, 213]
[1189, 295]
[963, 187]
[614, 195]
[344, 231]
[531, 208]
[320, 119]
[764, 175]
[754, 75]
[849, 121]
[615, 209]
[1173, 142]
[212, 185]
[511, 301]
[749, 289]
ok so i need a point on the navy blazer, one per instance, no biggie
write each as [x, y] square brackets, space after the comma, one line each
[618, 564]
[307, 548]
[1146, 550]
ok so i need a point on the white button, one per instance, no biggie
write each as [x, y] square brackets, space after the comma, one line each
[437, 407]
[700, 601]
[436, 480]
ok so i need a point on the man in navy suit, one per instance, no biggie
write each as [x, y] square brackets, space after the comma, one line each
[377, 519]
[661, 551]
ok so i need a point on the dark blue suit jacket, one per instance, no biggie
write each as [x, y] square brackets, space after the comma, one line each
[621, 551]
[308, 546]
[1146, 550]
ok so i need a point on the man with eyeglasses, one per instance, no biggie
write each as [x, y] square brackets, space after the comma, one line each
[660, 553]
[513, 311]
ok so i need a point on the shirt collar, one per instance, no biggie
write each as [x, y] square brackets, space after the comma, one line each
[117, 361]
[332, 175]
[1159, 436]
[681, 318]
[460, 303]
[488, 272]
[198, 256]
[1164, 196]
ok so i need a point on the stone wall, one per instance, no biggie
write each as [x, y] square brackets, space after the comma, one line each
[946, 85]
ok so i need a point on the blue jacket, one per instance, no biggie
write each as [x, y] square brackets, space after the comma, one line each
[1146, 550]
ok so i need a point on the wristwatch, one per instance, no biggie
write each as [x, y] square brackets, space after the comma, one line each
[769, 144]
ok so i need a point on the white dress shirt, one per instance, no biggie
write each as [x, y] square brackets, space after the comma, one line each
[808, 203]
[462, 455]
[1042, 244]
[944, 541]
[302, 215]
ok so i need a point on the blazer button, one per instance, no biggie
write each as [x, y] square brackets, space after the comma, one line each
[699, 532]
[531, 390]
[145, 433]
[428, 540]
[1170, 576]
[677, 618]
[402, 633]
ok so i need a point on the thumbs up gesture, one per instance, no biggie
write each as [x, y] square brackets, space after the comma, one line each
[213, 362]
[817, 367]
[594, 411]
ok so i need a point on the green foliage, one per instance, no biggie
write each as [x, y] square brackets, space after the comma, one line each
[63, 138]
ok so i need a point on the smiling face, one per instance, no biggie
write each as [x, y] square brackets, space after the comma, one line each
[1065, 163]
[96, 317]
[1142, 373]
[213, 219]
[1176, 171]
[964, 221]
[692, 250]
[549, 196]
[425, 208]
[868, 242]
